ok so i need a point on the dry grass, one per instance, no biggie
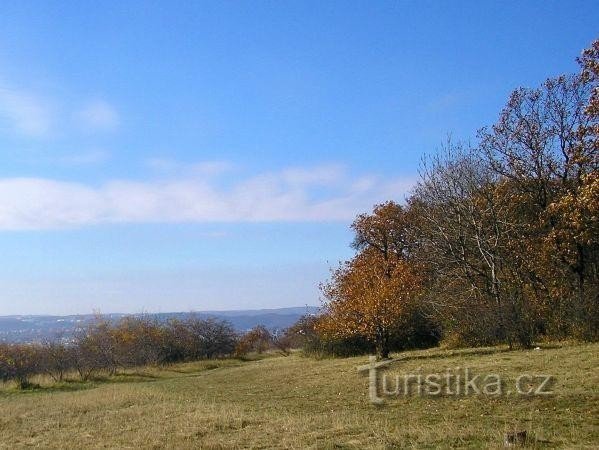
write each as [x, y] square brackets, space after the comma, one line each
[296, 402]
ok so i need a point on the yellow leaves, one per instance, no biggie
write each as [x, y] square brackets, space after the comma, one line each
[577, 214]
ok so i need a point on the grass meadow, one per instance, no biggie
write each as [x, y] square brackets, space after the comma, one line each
[297, 402]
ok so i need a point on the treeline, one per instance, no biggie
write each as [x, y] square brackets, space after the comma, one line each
[105, 346]
[497, 243]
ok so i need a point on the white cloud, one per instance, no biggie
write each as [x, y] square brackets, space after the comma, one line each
[31, 203]
[98, 115]
[37, 203]
[24, 112]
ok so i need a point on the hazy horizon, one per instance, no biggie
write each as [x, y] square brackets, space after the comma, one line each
[133, 313]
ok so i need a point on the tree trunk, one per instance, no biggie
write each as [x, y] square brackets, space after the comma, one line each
[22, 382]
[382, 344]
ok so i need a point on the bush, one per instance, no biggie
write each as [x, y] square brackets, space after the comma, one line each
[57, 359]
[19, 362]
[258, 340]
[106, 346]
[196, 338]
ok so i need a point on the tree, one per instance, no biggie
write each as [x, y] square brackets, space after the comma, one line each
[258, 339]
[544, 151]
[57, 359]
[575, 237]
[386, 231]
[211, 338]
[589, 62]
[368, 296]
[465, 238]
[197, 338]
[138, 341]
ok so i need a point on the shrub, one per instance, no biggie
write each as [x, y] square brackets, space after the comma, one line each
[56, 359]
[18, 362]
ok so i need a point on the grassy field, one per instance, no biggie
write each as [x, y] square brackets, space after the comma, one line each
[297, 402]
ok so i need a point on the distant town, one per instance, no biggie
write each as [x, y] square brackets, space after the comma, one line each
[38, 329]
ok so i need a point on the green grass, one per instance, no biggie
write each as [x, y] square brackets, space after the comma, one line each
[298, 402]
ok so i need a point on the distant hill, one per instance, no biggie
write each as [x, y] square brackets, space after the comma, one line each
[32, 328]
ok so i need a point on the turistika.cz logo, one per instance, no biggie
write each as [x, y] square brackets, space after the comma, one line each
[452, 382]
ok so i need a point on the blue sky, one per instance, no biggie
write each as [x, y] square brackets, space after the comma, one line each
[164, 156]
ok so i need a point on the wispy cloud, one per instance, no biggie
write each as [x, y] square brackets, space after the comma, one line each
[37, 203]
[24, 113]
[98, 115]
[27, 113]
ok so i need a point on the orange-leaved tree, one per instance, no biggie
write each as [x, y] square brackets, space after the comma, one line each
[369, 296]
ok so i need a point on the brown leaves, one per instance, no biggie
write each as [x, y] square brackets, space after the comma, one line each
[370, 294]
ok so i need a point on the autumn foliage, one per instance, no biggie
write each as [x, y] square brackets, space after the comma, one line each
[369, 296]
[105, 346]
[498, 242]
